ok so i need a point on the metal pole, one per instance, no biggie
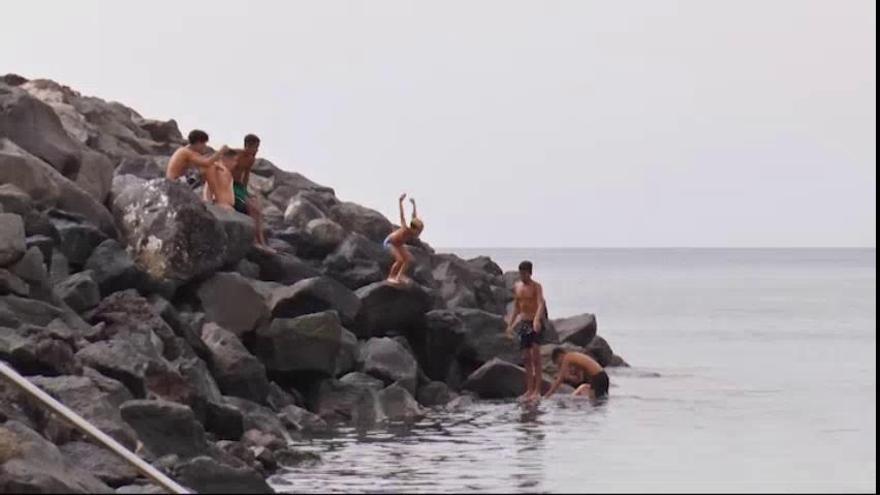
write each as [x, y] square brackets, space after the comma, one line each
[99, 436]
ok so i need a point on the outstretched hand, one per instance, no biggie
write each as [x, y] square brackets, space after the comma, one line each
[402, 197]
[413, 202]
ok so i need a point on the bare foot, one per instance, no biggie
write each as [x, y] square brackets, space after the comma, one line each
[393, 281]
[265, 248]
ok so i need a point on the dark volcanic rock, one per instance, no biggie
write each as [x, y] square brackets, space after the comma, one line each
[434, 394]
[11, 284]
[12, 245]
[165, 427]
[362, 380]
[237, 371]
[343, 402]
[234, 302]
[398, 404]
[358, 262]
[578, 330]
[600, 351]
[100, 462]
[170, 231]
[79, 291]
[282, 268]
[498, 379]
[114, 270]
[389, 310]
[369, 223]
[78, 238]
[35, 127]
[307, 343]
[37, 466]
[205, 475]
[315, 295]
[389, 361]
[299, 419]
[96, 401]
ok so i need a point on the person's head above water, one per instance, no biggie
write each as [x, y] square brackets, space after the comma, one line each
[198, 140]
[525, 271]
[251, 144]
[558, 355]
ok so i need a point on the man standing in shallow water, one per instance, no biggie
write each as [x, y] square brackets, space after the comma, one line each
[527, 320]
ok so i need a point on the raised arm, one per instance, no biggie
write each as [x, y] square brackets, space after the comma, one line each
[415, 213]
[205, 162]
[402, 213]
[539, 314]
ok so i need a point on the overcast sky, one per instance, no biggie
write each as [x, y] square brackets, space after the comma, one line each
[515, 123]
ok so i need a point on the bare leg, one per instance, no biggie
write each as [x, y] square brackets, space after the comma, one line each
[528, 365]
[211, 181]
[583, 390]
[407, 260]
[255, 212]
[537, 371]
[394, 274]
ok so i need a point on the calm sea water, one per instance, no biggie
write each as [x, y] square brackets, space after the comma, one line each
[766, 362]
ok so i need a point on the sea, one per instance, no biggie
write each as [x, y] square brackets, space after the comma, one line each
[752, 370]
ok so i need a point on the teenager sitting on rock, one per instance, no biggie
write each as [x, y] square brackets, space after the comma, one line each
[193, 156]
[241, 174]
[396, 243]
[223, 194]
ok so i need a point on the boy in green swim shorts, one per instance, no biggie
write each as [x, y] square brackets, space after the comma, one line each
[241, 174]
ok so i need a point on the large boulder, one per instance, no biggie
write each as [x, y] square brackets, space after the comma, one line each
[358, 262]
[348, 403]
[280, 267]
[166, 428]
[578, 330]
[301, 420]
[35, 127]
[389, 361]
[113, 269]
[434, 394]
[398, 404]
[237, 371]
[205, 475]
[314, 295]
[35, 350]
[499, 379]
[32, 270]
[391, 310]
[78, 237]
[172, 234]
[48, 188]
[143, 167]
[12, 245]
[100, 462]
[300, 211]
[10, 283]
[79, 291]
[250, 307]
[465, 284]
[362, 380]
[307, 343]
[34, 465]
[356, 218]
[96, 400]
[600, 350]
[324, 236]
[95, 175]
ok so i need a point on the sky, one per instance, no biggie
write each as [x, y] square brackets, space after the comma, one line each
[539, 123]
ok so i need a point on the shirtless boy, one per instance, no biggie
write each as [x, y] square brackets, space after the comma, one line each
[527, 319]
[396, 243]
[192, 155]
[595, 380]
[241, 175]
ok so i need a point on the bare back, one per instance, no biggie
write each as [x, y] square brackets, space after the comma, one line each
[527, 297]
[182, 159]
[582, 362]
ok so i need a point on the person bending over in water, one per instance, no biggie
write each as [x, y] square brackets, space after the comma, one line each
[192, 155]
[527, 319]
[222, 195]
[241, 174]
[396, 243]
[595, 383]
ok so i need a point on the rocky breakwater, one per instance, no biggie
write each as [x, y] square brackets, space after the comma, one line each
[151, 315]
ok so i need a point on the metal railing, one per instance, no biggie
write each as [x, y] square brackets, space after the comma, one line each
[90, 430]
